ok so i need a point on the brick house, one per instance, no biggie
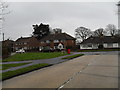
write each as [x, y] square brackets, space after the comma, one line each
[26, 43]
[7, 48]
[54, 40]
[8, 44]
[105, 42]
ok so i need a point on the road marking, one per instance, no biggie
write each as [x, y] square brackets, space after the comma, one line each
[75, 75]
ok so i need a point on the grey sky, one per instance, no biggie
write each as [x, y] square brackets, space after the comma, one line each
[67, 16]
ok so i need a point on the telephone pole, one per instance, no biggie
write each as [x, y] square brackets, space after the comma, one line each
[3, 37]
[118, 14]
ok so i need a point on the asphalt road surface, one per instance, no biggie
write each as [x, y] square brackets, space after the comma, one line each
[88, 71]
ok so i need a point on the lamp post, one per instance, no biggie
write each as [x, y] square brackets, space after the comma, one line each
[118, 14]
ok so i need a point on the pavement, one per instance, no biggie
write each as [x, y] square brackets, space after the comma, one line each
[88, 71]
[33, 62]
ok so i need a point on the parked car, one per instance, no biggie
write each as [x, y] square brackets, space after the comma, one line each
[20, 51]
[47, 50]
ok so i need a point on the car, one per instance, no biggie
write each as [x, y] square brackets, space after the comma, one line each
[47, 50]
[20, 51]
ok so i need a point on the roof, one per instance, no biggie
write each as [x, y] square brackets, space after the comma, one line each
[7, 42]
[24, 39]
[58, 36]
[11, 41]
[105, 39]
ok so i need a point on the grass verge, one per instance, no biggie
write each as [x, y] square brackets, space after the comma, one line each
[7, 66]
[73, 56]
[10, 74]
[33, 56]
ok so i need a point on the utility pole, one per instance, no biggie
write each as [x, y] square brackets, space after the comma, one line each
[3, 37]
[118, 14]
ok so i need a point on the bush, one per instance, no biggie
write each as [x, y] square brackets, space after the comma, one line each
[5, 52]
[69, 47]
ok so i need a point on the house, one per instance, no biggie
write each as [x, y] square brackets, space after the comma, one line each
[57, 41]
[27, 43]
[7, 48]
[8, 44]
[100, 42]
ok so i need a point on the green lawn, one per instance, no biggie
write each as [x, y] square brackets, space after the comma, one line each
[10, 74]
[7, 66]
[73, 56]
[33, 56]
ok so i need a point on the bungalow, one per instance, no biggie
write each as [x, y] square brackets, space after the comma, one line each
[26, 43]
[57, 41]
[100, 42]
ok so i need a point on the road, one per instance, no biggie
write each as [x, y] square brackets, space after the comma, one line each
[88, 71]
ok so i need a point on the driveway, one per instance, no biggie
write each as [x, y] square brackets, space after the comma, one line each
[89, 71]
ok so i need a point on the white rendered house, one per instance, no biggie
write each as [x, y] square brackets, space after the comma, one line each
[96, 42]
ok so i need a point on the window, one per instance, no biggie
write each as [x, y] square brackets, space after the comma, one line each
[105, 45]
[42, 41]
[47, 41]
[115, 45]
[25, 43]
[110, 45]
[25, 47]
[89, 45]
[85, 46]
[16, 48]
[62, 40]
[56, 41]
[55, 47]
[72, 41]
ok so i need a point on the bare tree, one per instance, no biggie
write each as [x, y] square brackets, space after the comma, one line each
[111, 29]
[57, 30]
[99, 32]
[82, 33]
[3, 7]
[3, 11]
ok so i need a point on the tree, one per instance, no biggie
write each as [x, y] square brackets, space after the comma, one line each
[111, 29]
[40, 30]
[3, 8]
[82, 33]
[57, 30]
[99, 32]
[3, 49]
[3, 11]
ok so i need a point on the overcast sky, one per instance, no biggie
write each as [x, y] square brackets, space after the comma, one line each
[65, 15]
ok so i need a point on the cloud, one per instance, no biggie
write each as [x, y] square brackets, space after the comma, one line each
[65, 15]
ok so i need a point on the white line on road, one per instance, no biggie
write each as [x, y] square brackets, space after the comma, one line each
[75, 75]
